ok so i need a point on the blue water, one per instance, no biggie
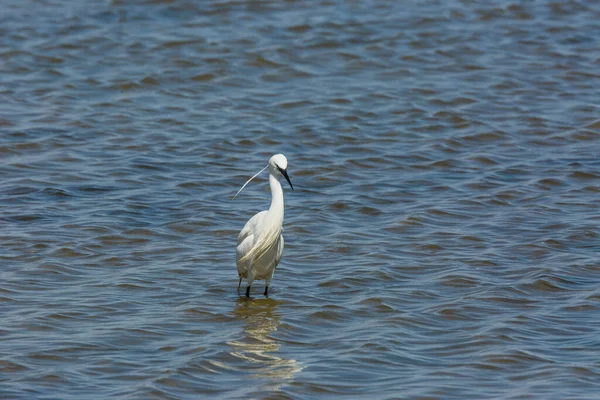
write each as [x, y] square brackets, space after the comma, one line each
[441, 241]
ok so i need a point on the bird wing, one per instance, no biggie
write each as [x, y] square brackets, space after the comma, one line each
[250, 227]
[246, 241]
[279, 251]
[244, 233]
[241, 250]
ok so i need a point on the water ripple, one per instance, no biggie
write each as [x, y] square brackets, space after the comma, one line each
[441, 241]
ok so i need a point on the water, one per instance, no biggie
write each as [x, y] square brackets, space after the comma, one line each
[442, 241]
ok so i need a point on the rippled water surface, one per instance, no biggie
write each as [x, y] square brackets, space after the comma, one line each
[442, 241]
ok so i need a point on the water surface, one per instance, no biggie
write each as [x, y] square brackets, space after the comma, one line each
[442, 241]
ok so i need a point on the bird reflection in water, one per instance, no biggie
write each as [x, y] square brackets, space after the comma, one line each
[256, 347]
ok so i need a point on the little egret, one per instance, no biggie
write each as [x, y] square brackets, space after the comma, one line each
[260, 243]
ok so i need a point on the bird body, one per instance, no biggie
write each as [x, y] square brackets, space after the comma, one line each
[260, 243]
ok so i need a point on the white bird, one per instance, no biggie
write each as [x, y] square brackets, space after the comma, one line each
[260, 243]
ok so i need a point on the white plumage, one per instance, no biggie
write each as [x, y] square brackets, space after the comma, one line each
[260, 242]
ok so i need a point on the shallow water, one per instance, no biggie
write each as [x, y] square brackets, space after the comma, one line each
[442, 241]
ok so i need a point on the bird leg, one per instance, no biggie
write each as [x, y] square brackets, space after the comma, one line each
[267, 291]
[248, 291]
[240, 284]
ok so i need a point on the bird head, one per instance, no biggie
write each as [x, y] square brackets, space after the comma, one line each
[278, 167]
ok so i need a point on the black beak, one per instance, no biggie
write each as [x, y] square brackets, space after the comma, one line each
[287, 178]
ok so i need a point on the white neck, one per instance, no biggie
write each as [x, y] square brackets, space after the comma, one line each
[276, 208]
